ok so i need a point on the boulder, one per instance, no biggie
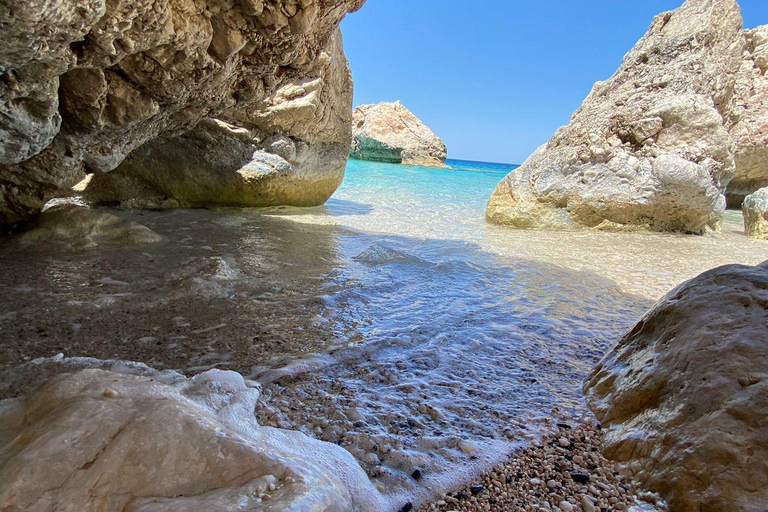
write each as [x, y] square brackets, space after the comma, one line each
[755, 210]
[104, 440]
[648, 147]
[74, 227]
[748, 119]
[85, 82]
[683, 396]
[389, 132]
[293, 152]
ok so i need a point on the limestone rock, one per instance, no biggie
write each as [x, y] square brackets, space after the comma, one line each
[389, 132]
[294, 153]
[71, 226]
[648, 147]
[683, 396]
[85, 82]
[755, 210]
[100, 440]
[748, 119]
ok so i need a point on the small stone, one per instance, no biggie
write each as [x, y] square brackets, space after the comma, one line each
[587, 504]
[475, 489]
[563, 442]
[580, 478]
[566, 507]
[416, 475]
[407, 507]
[110, 393]
[552, 484]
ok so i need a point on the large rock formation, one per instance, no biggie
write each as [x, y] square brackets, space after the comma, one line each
[683, 397]
[748, 119]
[648, 147]
[294, 153]
[100, 440]
[85, 82]
[755, 210]
[389, 132]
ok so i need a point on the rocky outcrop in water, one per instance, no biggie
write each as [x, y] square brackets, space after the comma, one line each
[683, 397]
[85, 82]
[294, 154]
[389, 132]
[748, 119]
[755, 210]
[648, 147]
[103, 440]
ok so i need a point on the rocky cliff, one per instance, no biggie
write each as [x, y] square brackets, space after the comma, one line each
[650, 147]
[389, 132]
[748, 119]
[85, 82]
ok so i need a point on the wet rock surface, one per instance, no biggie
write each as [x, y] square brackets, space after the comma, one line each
[648, 148]
[682, 396]
[74, 227]
[389, 132]
[156, 441]
[85, 82]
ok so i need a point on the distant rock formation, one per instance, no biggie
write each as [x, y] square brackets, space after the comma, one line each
[683, 397]
[748, 119]
[649, 147]
[294, 153]
[389, 132]
[755, 210]
[86, 82]
[107, 440]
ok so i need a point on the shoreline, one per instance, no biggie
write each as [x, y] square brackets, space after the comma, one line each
[563, 471]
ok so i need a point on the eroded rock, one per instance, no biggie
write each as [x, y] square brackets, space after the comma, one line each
[683, 396]
[85, 82]
[755, 210]
[294, 152]
[748, 119]
[103, 440]
[648, 147]
[389, 132]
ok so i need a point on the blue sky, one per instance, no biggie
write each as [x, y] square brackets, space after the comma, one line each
[495, 79]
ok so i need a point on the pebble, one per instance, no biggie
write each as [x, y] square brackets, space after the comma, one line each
[566, 461]
[110, 393]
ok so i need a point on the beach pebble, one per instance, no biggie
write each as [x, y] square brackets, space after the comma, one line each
[566, 507]
[110, 393]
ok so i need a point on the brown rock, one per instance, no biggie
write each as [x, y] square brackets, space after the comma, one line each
[683, 397]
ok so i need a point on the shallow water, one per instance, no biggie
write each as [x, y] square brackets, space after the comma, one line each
[393, 321]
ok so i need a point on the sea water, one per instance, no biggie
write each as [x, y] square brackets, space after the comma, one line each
[393, 321]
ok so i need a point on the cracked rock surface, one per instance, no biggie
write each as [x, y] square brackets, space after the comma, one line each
[649, 148]
[85, 82]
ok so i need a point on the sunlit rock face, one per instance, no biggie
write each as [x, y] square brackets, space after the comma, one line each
[748, 119]
[85, 82]
[106, 440]
[294, 153]
[389, 132]
[755, 210]
[648, 147]
[683, 397]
